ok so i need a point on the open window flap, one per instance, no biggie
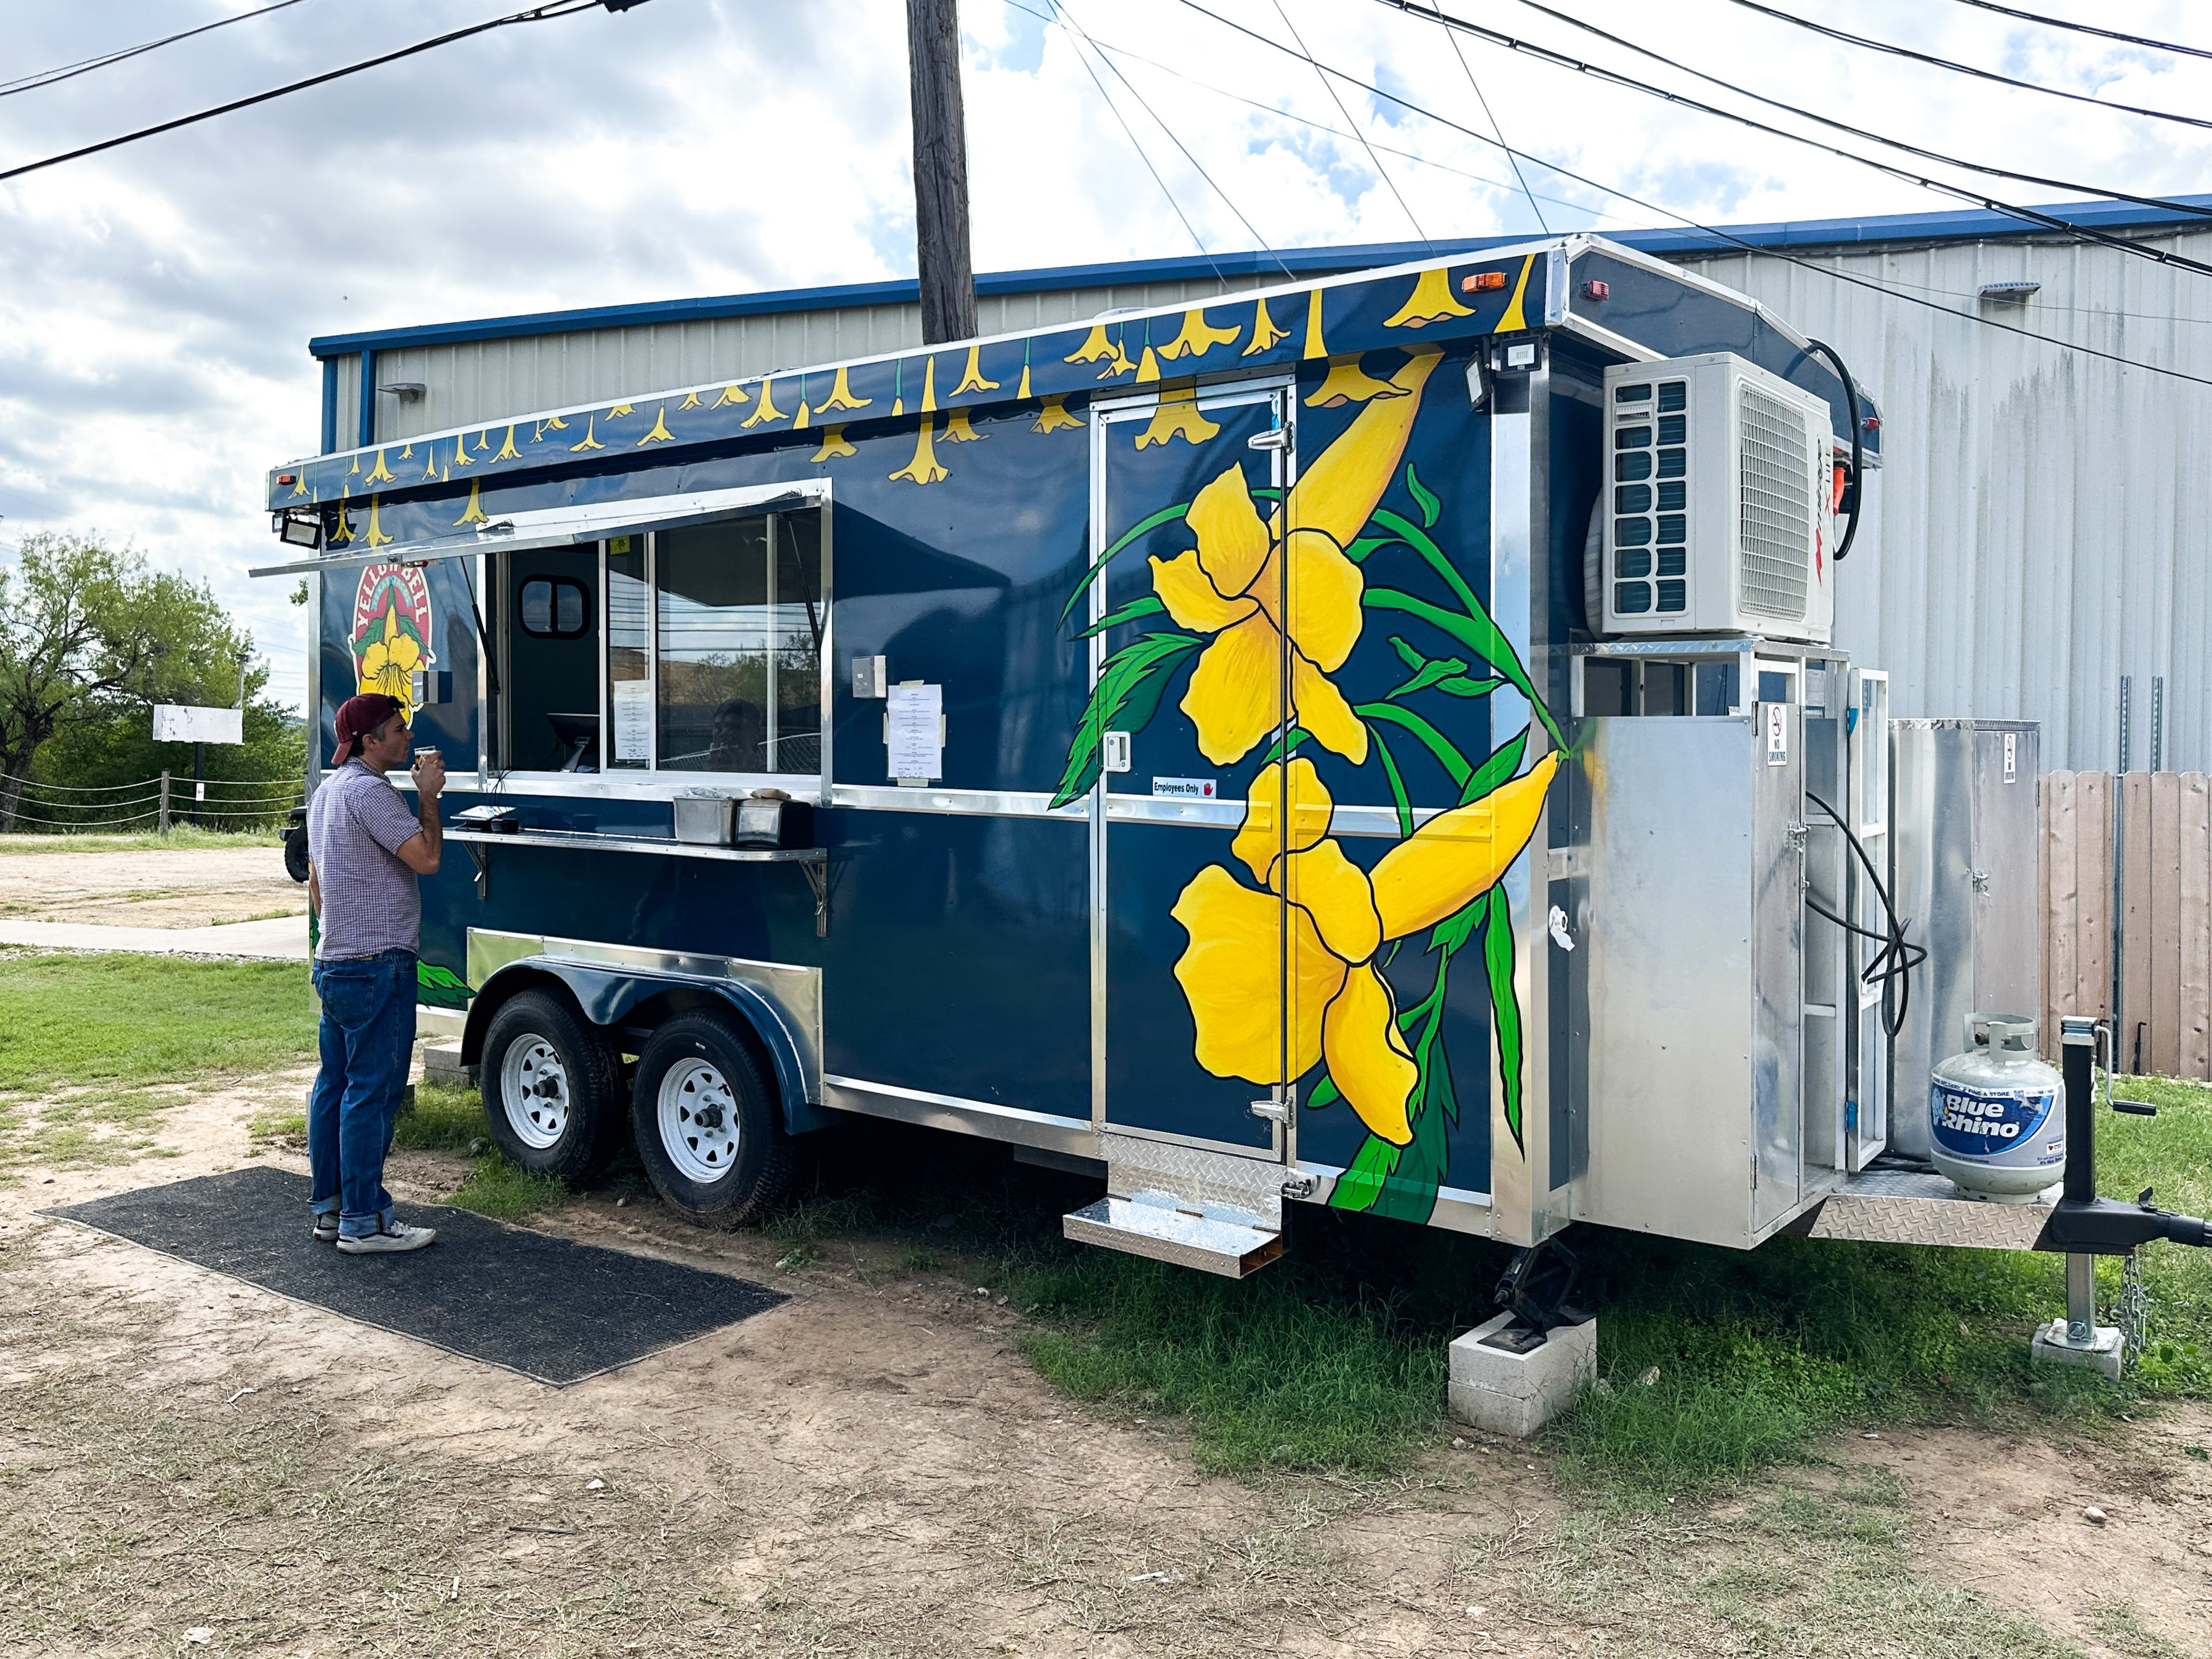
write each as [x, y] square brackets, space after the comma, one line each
[560, 526]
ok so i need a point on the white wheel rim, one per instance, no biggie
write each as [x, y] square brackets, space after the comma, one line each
[533, 1090]
[698, 1121]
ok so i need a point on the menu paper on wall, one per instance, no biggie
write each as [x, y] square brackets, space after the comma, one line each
[913, 731]
[633, 716]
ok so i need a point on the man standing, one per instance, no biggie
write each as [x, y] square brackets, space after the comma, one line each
[366, 849]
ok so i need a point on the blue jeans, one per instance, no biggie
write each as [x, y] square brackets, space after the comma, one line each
[367, 1043]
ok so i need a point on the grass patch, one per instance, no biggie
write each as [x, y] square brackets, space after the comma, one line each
[443, 1119]
[275, 1125]
[506, 1192]
[183, 837]
[130, 1021]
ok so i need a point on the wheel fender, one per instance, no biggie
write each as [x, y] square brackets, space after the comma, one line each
[607, 995]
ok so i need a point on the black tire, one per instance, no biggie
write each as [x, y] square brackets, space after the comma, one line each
[565, 1116]
[712, 1177]
[295, 854]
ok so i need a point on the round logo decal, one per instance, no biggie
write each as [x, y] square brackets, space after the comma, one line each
[392, 631]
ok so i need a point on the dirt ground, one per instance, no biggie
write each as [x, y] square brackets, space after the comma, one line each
[189, 1464]
[190, 887]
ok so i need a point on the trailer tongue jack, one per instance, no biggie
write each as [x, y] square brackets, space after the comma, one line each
[2085, 1226]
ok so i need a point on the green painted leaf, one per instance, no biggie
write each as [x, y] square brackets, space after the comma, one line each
[1459, 685]
[1324, 1094]
[1413, 659]
[1479, 635]
[1424, 497]
[1454, 931]
[1398, 796]
[1130, 683]
[439, 987]
[1504, 1008]
[1358, 551]
[1142, 527]
[1433, 555]
[1504, 763]
[1151, 605]
[1445, 750]
[1427, 672]
[1284, 746]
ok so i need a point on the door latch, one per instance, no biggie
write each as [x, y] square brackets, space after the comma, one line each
[1276, 1111]
[1280, 438]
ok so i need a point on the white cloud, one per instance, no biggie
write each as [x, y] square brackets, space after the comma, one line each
[154, 301]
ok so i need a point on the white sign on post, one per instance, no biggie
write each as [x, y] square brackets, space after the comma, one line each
[1778, 734]
[913, 731]
[633, 712]
[182, 723]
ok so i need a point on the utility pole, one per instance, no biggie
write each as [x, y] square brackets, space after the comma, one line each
[941, 171]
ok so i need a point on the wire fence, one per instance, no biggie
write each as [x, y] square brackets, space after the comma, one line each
[158, 804]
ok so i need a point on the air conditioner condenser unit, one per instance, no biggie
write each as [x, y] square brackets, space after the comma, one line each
[1718, 511]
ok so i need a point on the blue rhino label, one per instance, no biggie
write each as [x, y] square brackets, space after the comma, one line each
[2012, 1127]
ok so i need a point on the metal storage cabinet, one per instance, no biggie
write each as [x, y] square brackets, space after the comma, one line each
[1963, 872]
[1694, 921]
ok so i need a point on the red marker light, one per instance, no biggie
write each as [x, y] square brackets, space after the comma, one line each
[1482, 282]
[1594, 290]
[286, 477]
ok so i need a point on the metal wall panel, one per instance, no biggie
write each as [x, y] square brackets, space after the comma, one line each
[2043, 521]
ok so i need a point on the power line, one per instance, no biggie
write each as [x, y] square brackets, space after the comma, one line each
[535, 14]
[1932, 60]
[1068, 13]
[1614, 77]
[86, 65]
[1859, 132]
[1328, 87]
[1109, 47]
[2089, 29]
[1718, 234]
[1116, 110]
[1467, 69]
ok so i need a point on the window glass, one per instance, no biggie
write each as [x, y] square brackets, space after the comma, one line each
[553, 608]
[629, 657]
[795, 666]
[714, 625]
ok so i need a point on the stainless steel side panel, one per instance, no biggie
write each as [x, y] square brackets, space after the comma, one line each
[1670, 927]
[1963, 870]
[1777, 874]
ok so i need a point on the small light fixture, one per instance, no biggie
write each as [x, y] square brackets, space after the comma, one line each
[408, 391]
[1596, 289]
[297, 529]
[2008, 293]
[1482, 282]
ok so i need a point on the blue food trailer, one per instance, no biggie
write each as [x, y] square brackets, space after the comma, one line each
[1215, 744]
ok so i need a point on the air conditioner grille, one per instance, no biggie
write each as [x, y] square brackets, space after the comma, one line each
[1776, 500]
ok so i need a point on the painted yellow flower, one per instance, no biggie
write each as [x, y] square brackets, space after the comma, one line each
[1341, 1008]
[389, 663]
[1252, 590]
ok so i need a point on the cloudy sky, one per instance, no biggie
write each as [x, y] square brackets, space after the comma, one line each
[155, 301]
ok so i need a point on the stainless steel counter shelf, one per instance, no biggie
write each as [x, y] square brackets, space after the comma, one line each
[813, 862]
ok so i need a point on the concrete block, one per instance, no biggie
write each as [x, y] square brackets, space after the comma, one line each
[2107, 1353]
[1517, 1394]
[442, 1064]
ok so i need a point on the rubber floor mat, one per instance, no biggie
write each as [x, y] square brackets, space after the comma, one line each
[551, 1308]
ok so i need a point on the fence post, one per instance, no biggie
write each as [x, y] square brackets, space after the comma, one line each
[165, 801]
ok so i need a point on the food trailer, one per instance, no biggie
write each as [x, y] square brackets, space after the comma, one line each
[1374, 742]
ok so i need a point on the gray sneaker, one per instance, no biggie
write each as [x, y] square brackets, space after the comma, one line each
[400, 1237]
[327, 1227]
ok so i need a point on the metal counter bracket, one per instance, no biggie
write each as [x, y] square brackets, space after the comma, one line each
[813, 862]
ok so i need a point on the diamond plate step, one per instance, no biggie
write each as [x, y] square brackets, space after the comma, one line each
[1216, 1212]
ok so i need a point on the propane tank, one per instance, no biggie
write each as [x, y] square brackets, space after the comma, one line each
[1996, 1126]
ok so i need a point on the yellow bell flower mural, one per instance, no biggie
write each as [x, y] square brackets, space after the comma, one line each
[1264, 331]
[767, 411]
[958, 431]
[1340, 916]
[389, 663]
[924, 468]
[1232, 585]
[1097, 348]
[1431, 301]
[1198, 336]
[840, 396]
[973, 380]
[1178, 416]
[1054, 415]
[835, 446]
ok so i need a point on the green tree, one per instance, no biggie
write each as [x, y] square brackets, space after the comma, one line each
[89, 639]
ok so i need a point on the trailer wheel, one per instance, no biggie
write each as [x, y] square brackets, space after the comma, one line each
[705, 1124]
[552, 1088]
[295, 854]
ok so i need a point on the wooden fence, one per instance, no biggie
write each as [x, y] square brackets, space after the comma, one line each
[2153, 831]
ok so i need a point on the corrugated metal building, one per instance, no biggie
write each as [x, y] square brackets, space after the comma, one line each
[2042, 527]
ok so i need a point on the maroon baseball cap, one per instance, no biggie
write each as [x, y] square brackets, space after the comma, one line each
[358, 717]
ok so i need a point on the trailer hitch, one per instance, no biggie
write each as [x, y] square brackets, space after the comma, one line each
[2083, 1223]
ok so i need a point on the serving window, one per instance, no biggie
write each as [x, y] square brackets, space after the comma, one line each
[701, 653]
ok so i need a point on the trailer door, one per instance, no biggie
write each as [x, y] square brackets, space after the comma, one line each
[1191, 970]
